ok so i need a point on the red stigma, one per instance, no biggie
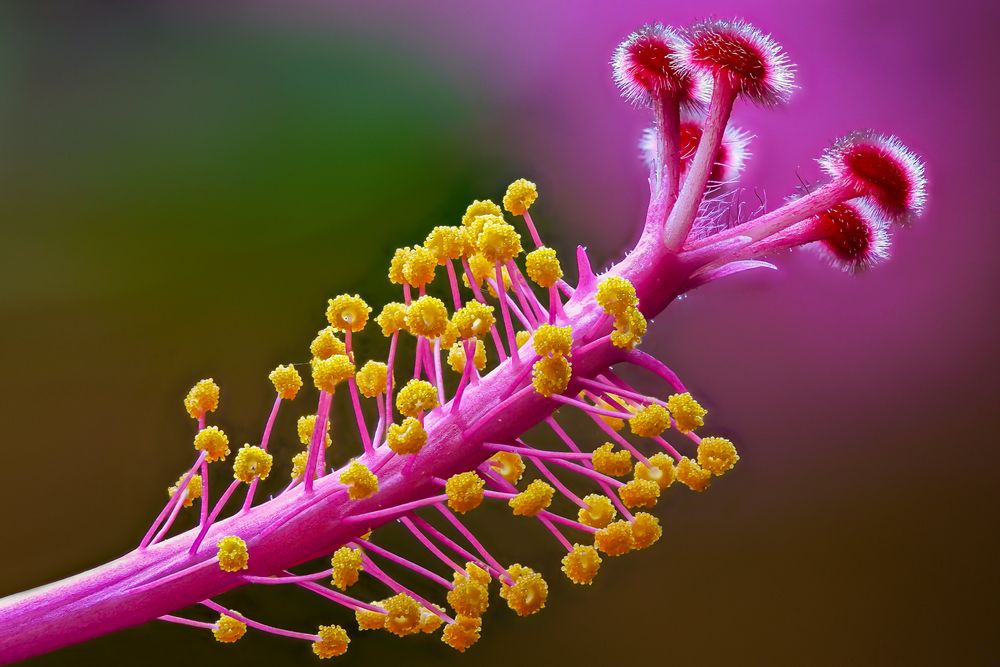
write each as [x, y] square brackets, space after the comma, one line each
[852, 238]
[644, 66]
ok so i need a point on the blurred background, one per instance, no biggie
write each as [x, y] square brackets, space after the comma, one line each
[184, 184]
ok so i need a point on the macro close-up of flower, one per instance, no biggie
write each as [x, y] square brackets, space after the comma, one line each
[460, 333]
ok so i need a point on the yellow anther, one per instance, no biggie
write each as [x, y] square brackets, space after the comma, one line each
[465, 493]
[528, 593]
[359, 480]
[599, 511]
[286, 381]
[478, 208]
[416, 397]
[446, 243]
[615, 539]
[521, 337]
[370, 620]
[392, 318]
[399, 258]
[299, 464]
[463, 633]
[427, 317]
[692, 475]
[478, 574]
[252, 463]
[232, 555]
[474, 319]
[581, 564]
[717, 455]
[535, 498]
[402, 615]
[429, 621]
[202, 398]
[661, 470]
[346, 563]
[645, 530]
[468, 597]
[687, 412]
[616, 295]
[521, 194]
[509, 465]
[328, 373]
[326, 344]
[639, 493]
[553, 341]
[332, 641]
[499, 242]
[450, 336]
[456, 356]
[193, 489]
[347, 312]
[609, 462]
[305, 427]
[543, 266]
[409, 437]
[418, 270]
[228, 630]
[650, 421]
[372, 378]
[214, 442]
[550, 375]
[481, 268]
[630, 327]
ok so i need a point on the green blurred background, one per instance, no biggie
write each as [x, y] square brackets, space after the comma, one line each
[183, 189]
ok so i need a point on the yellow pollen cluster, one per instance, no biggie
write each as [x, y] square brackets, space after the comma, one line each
[498, 242]
[528, 593]
[305, 427]
[551, 375]
[456, 356]
[474, 319]
[639, 493]
[478, 208]
[650, 421]
[598, 513]
[463, 633]
[228, 630]
[535, 498]
[717, 455]
[478, 574]
[521, 337]
[645, 530]
[609, 462]
[396, 265]
[346, 563]
[347, 312]
[299, 464]
[429, 621]
[616, 295]
[202, 398]
[419, 267]
[372, 378]
[630, 327]
[402, 615]
[465, 493]
[392, 318]
[693, 476]
[687, 412]
[408, 437]
[251, 463]
[232, 555]
[286, 381]
[615, 539]
[446, 243]
[214, 442]
[333, 641]
[543, 266]
[359, 480]
[193, 489]
[328, 373]
[662, 471]
[469, 597]
[326, 344]
[416, 397]
[520, 195]
[427, 317]
[370, 620]
[509, 465]
[581, 564]
[553, 341]
[483, 269]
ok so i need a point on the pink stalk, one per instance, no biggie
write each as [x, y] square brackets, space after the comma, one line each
[668, 447]
[215, 513]
[536, 453]
[375, 571]
[259, 626]
[388, 377]
[248, 501]
[289, 579]
[607, 388]
[438, 377]
[175, 499]
[654, 365]
[605, 486]
[399, 560]
[318, 441]
[430, 546]
[456, 296]
[186, 621]
[535, 238]
[340, 598]
[497, 342]
[165, 528]
[457, 548]
[503, 296]
[466, 373]
[546, 523]
[505, 314]
[359, 416]
[556, 483]
[539, 312]
[590, 409]
[396, 511]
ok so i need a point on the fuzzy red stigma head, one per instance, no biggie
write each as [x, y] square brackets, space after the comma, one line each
[739, 55]
[852, 236]
[729, 159]
[882, 168]
[644, 67]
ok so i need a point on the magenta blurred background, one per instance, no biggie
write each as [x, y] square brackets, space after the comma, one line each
[861, 523]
